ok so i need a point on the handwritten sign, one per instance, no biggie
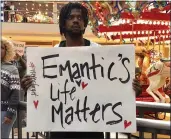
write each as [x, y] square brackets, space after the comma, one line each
[19, 47]
[81, 89]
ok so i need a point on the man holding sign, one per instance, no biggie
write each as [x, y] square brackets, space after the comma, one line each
[73, 21]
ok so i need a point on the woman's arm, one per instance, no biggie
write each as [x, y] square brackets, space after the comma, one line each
[14, 94]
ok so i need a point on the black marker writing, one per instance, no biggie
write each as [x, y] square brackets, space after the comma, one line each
[115, 121]
[75, 71]
[82, 112]
[56, 95]
[51, 66]
[128, 78]
[109, 72]
[59, 111]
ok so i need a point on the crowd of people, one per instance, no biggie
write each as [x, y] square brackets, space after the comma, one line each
[73, 21]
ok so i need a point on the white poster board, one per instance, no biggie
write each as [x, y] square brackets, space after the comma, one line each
[81, 89]
[19, 47]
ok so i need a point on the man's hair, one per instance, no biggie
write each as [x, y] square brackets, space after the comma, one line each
[66, 11]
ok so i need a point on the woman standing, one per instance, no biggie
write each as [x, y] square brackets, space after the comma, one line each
[10, 88]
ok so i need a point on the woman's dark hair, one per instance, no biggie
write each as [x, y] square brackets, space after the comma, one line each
[66, 11]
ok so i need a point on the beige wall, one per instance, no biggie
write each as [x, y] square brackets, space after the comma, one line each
[36, 32]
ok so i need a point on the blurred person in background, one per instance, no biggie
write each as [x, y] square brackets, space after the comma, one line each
[10, 88]
[25, 20]
[12, 12]
[6, 12]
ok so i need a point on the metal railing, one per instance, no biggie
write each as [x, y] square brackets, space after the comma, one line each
[152, 126]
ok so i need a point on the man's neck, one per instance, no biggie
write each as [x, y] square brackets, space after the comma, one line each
[79, 41]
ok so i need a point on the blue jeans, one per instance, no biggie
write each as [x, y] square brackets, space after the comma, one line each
[6, 128]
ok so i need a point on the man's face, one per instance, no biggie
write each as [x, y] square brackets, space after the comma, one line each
[74, 24]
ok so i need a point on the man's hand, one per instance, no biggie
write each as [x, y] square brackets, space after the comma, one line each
[7, 120]
[137, 87]
[26, 82]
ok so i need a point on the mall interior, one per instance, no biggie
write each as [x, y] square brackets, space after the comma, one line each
[145, 24]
